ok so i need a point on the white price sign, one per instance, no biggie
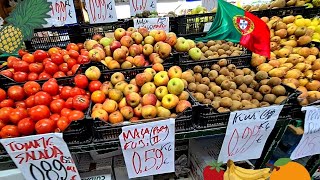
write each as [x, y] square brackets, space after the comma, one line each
[209, 4]
[102, 11]
[247, 133]
[148, 148]
[44, 156]
[138, 6]
[62, 12]
[207, 26]
[161, 23]
[310, 141]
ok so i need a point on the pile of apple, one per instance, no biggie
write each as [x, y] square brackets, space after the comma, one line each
[153, 93]
[135, 47]
[42, 65]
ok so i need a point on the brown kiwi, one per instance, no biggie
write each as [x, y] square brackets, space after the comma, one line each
[246, 96]
[215, 104]
[202, 88]
[209, 95]
[215, 67]
[226, 102]
[220, 79]
[198, 77]
[250, 91]
[280, 99]
[226, 84]
[222, 110]
[233, 85]
[231, 91]
[264, 104]
[217, 98]
[231, 67]
[236, 105]
[216, 90]
[247, 79]
[197, 69]
[254, 85]
[225, 93]
[224, 71]
[246, 71]
[189, 70]
[221, 52]
[231, 74]
[206, 101]
[222, 62]
[199, 97]
[279, 90]
[274, 81]
[257, 95]
[204, 49]
[243, 87]
[261, 75]
[265, 89]
[238, 79]
[238, 91]
[236, 97]
[192, 87]
[211, 84]
[205, 72]
[264, 82]
[245, 102]
[238, 72]
[213, 74]
[255, 102]
[205, 80]
[270, 98]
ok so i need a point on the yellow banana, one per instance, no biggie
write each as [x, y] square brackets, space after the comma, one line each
[253, 174]
[226, 174]
[232, 175]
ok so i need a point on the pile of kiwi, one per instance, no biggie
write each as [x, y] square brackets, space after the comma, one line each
[227, 88]
[217, 48]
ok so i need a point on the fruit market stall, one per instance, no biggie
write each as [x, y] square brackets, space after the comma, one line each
[114, 94]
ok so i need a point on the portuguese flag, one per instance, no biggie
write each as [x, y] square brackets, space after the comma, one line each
[236, 25]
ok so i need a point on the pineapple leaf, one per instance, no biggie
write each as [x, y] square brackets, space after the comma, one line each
[27, 18]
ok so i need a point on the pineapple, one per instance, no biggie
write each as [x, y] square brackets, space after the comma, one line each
[21, 22]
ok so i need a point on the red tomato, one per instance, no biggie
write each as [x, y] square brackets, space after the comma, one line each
[26, 126]
[21, 104]
[42, 98]
[53, 50]
[57, 105]
[69, 73]
[7, 103]
[12, 60]
[75, 68]
[84, 52]
[17, 114]
[83, 59]
[57, 58]
[39, 112]
[51, 87]
[45, 126]
[3, 94]
[63, 67]
[22, 52]
[80, 45]
[59, 74]
[76, 115]
[65, 112]
[36, 67]
[44, 76]
[51, 68]
[2, 124]
[31, 88]
[29, 58]
[68, 103]
[71, 62]
[94, 85]
[32, 76]
[98, 96]
[20, 76]
[8, 73]
[5, 114]
[63, 123]
[81, 81]
[63, 52]
[72, 46]
[75, 91]
[21, 66]
[9, 131]
[46, 60]
[65, 92]
[55, 117]
[73, 54]
[29, 101]
[40, 55]
[80, 102]
[16, 93]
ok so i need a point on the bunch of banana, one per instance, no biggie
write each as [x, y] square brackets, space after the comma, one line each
[234, 172]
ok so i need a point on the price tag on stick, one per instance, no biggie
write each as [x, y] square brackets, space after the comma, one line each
[62, 13]
[161, 23]
[44, 156]
[247, 133]
[102, 11]
[310, 141]
[148, 148]
[138, 6]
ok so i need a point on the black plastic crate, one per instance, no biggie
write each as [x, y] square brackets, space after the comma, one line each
[193, 25]
[47, 38]
[239, 61]
[286, 11]
[311, 12]
[88, 30]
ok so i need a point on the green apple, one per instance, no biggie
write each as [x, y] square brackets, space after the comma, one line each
[148, 88]
[161, 91]
[195, 53]
[175, 86]
[170, 101]
[105, 41]
[182, 45]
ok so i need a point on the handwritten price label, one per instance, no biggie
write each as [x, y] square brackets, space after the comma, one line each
[62, 12]
[42, 157]
[148, 148]
[247, 133]
[152, 23]
[138, 6]
[101, 11]
[209, 4]
[310, 141]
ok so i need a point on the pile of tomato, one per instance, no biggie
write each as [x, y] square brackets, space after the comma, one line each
[42, 65]
[37, 109]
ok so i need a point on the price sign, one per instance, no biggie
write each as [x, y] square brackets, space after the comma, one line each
[310, 141]
[247, 132]
[42, 157]
[161, 23]
[138, 6]
[62, 12]
[101, 11]
[209, 4]
[148, 148]
[207, 26]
